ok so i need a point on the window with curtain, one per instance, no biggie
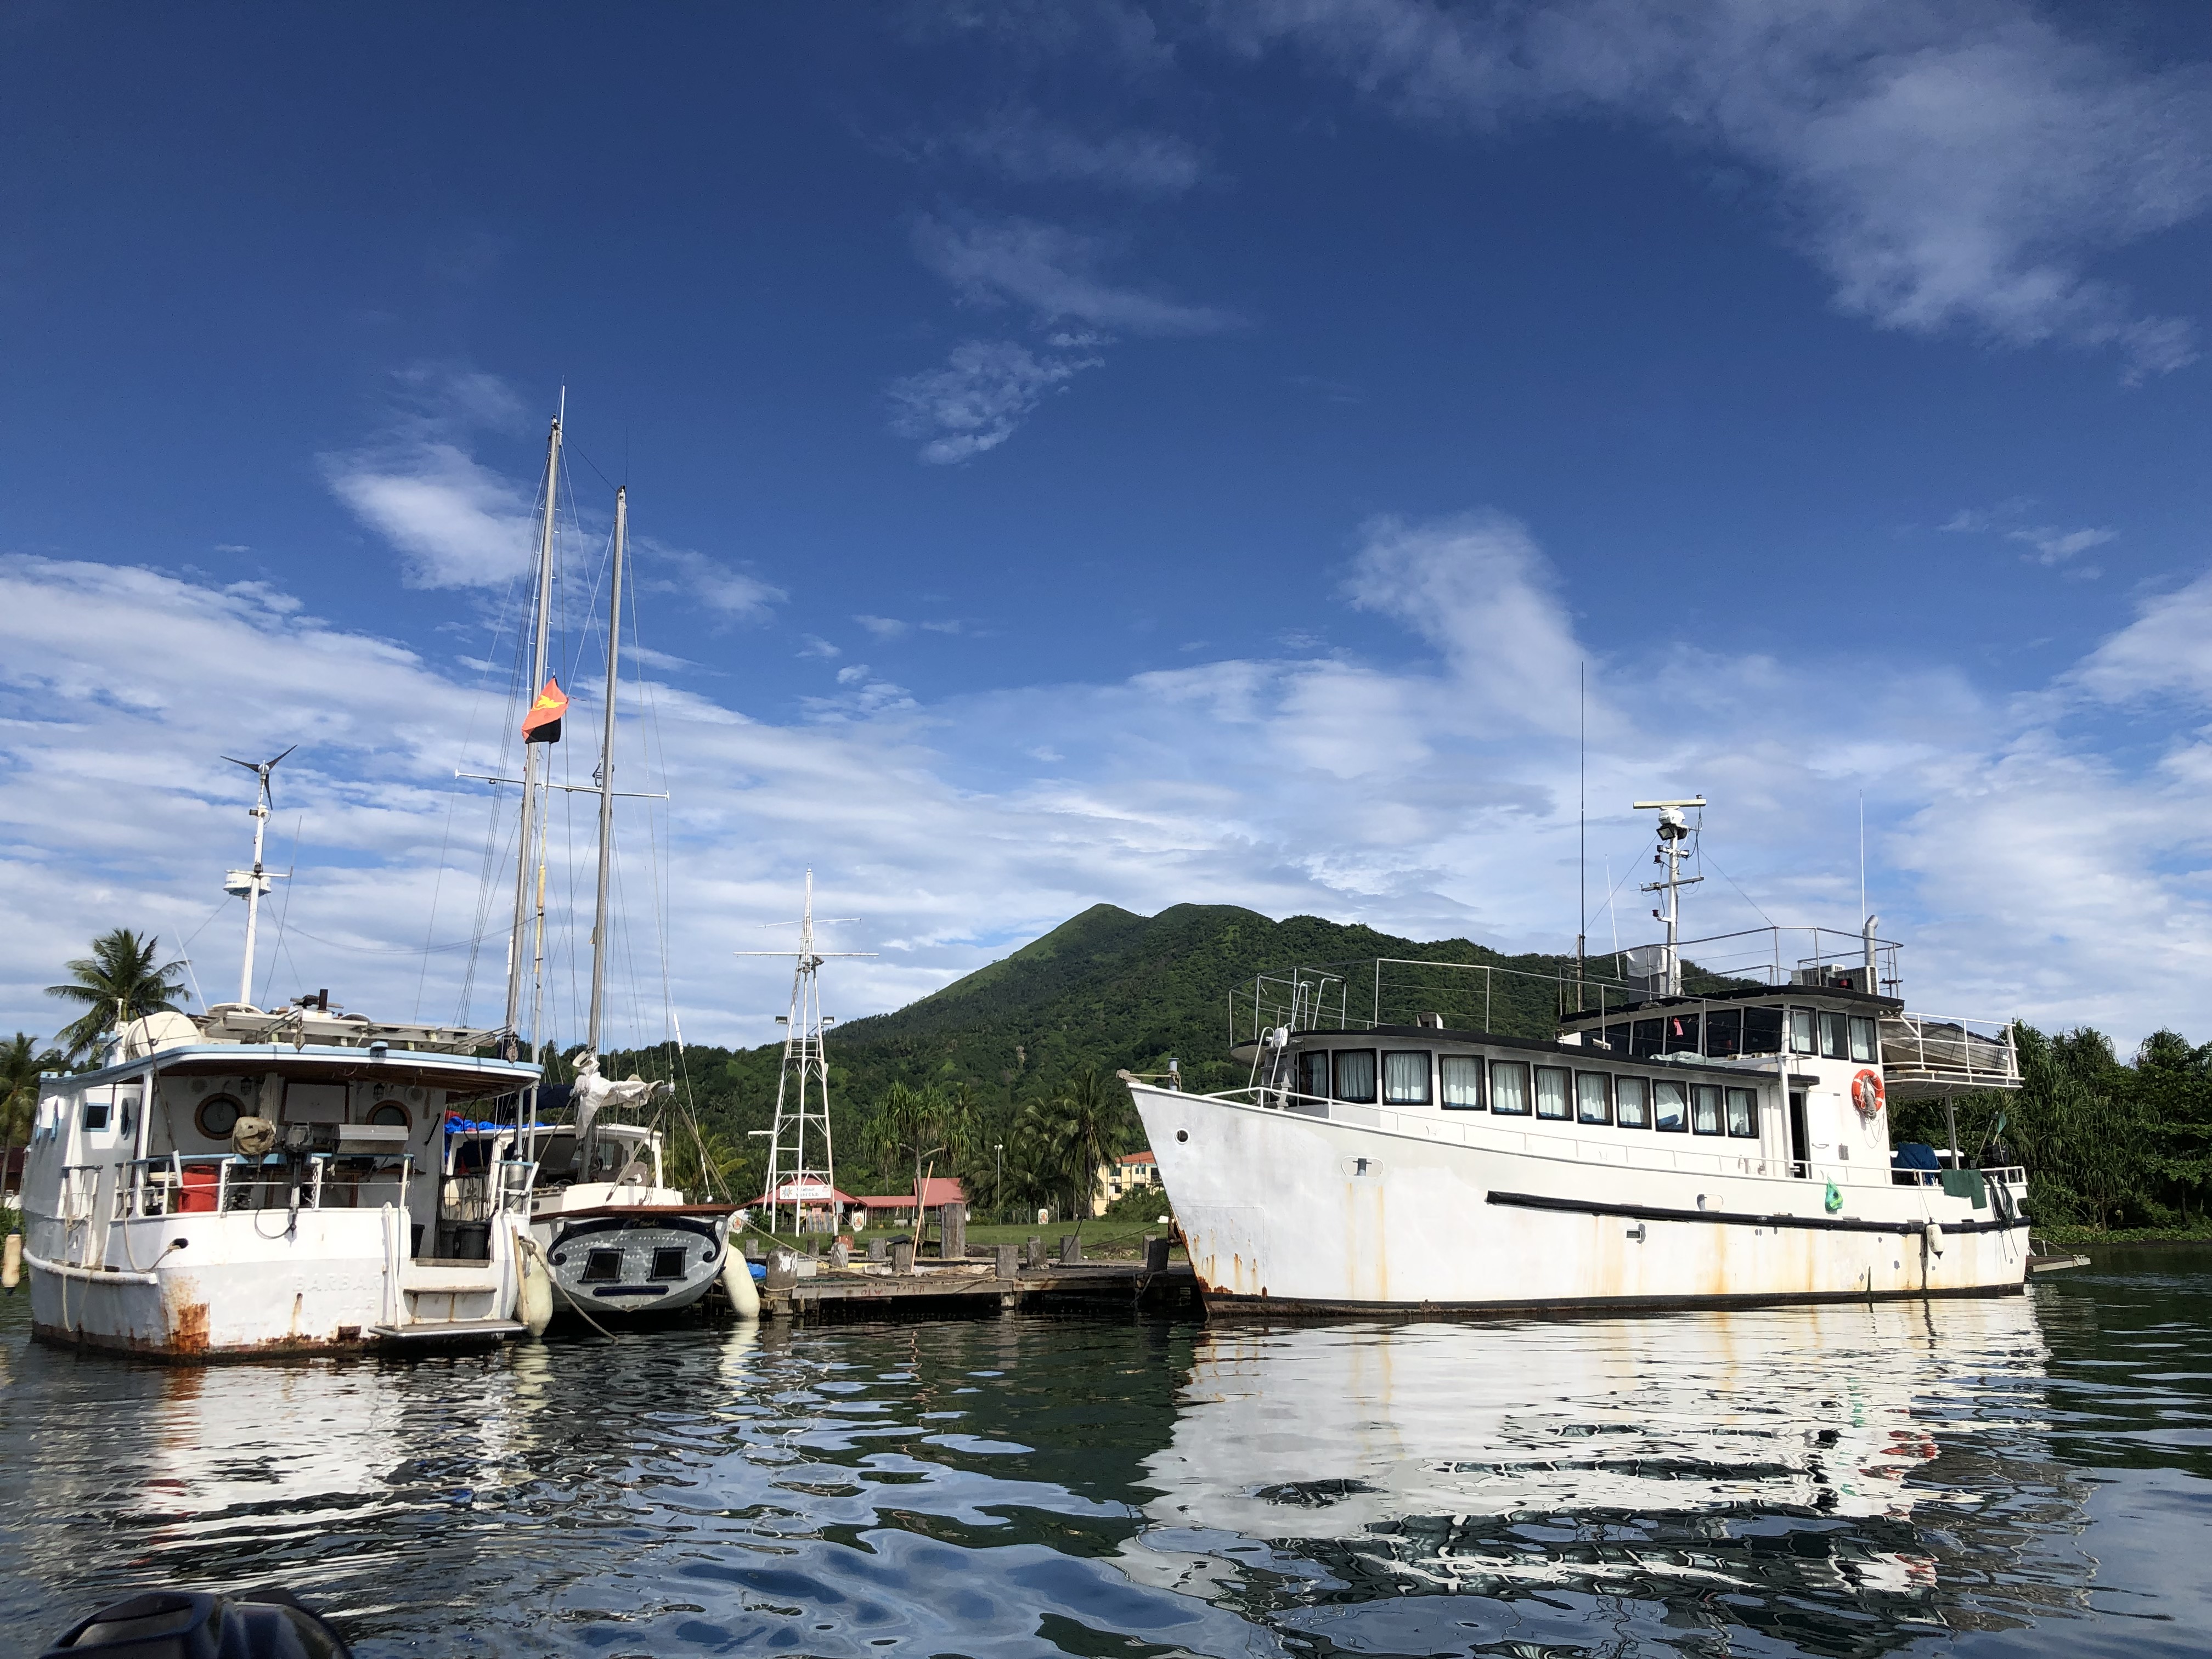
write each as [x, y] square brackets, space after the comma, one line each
[1592, 1098]
[1509, 1086]
[1461, 1078]
[1355, 1075]
[1313, 1074]
[1864, 1047]
[1835, 1044]
[1406, 1077]
[1551, 1085]
[1706, 1108]
[1670, 1106]
[1743, 1114]
[1632, 1102]
[1801, 1031]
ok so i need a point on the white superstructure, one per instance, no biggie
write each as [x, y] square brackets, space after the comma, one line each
[1666, 1149]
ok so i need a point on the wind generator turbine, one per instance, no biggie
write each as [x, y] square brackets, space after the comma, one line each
[251, 885]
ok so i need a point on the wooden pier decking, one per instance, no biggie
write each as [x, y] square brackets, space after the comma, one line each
[970, 1287]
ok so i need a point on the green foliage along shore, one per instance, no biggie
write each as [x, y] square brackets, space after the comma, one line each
[2109, 1145]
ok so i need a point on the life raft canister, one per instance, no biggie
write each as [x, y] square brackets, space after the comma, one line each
[1867, 1094]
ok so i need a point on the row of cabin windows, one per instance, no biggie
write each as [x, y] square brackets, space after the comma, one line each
[1726, 1033]
[1515, 1088]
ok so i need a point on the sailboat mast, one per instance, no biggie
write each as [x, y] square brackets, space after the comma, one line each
[525, 849]
[255, 882]
[607, 774]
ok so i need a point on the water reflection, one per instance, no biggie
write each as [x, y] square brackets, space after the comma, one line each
[1800, 1472]
[2028, 1475]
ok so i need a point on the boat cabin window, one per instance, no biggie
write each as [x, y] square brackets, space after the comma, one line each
[1509, 1086]
[668, 1263]
[1461, 1077]
[217, 1116]
[1313, 1074]
[1834, 1042]
[1551, 1091]
[1706, 1108]
[1762, 1031]
[1801, 1031]
[1864, 1047]
[1355, 1075]
[1670, 1106]
[1592, 1098]
[389, 1114]
[1743, 1114]
[1724, 1033]
[603, 1267]
[1681, 1035]
[95, 1114]
[1632, 1102]
[1644, 1042]
[1406, 1077]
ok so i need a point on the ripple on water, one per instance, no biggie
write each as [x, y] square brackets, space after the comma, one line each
[2025, 1475]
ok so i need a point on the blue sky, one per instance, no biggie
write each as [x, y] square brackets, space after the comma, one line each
[1093, 452]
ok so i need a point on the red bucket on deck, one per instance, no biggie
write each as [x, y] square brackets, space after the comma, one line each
[196, 1192]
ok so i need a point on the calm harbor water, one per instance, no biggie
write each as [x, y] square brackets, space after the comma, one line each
[2026, 1476]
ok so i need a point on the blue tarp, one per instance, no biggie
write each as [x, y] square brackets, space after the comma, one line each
[1912, 1154]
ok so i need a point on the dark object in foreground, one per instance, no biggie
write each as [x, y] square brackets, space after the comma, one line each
[269, 1624]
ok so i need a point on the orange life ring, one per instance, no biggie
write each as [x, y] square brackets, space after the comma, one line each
[1867, 1094]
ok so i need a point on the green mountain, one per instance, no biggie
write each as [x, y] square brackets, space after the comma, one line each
[1111, 990]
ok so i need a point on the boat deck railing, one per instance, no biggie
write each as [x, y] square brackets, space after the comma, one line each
[1933, 1057]
[222, 1183]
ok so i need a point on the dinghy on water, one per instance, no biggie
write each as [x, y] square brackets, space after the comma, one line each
[1668, 1147]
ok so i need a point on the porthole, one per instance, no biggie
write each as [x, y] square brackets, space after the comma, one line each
[1183, 1134]
[217, 1116]
[389, 1112]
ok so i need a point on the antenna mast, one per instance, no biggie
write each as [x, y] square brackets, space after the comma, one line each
[526, 850]
[251, 884]
[802, 1088]
[1673, 847]
[607, 776]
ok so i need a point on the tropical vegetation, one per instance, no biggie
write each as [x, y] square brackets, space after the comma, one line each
[119, 982]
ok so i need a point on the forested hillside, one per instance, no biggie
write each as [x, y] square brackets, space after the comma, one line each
[1104, 990]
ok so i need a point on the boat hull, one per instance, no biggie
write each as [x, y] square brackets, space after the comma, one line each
[189, 1288]
[1365, 1212]
[641, 1240]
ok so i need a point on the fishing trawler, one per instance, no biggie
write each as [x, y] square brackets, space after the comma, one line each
[254, 1181]
[1715, 1136]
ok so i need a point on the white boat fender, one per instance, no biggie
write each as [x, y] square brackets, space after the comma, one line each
[11, 1262]
[738, 1284]
[1934, 1234]
[534, 1300]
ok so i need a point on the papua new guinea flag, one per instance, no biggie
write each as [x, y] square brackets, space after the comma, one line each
[542, 723]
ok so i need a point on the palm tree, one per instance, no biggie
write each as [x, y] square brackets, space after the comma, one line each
[21, 1062]
[917, 1126]
[117, 983]
[1075, 1133]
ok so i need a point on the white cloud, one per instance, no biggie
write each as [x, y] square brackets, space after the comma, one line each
[1947, 167]
[883, 628]
[2055, 546]
[1053, 272]
[1024, 146]
[456, 522]
[1430, 792]
[711, 583]
[985, 390]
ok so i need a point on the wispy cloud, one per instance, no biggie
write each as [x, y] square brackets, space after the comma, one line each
[985, 390]
[2054, 546]
[2049, 545]
[729, 593]
[456, 522]
[883, 628]
[1024, 146]
[1947, 168]
[1053, 272]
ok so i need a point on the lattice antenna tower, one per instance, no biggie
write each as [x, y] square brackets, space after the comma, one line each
[802, 1163]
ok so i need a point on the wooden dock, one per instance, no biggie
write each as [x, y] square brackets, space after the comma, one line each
[957, 1289]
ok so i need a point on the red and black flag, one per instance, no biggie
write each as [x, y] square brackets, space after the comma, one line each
[542, 723]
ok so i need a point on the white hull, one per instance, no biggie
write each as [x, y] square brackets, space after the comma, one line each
[1369, 1210]
[244, 1285]
[645, 1237]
